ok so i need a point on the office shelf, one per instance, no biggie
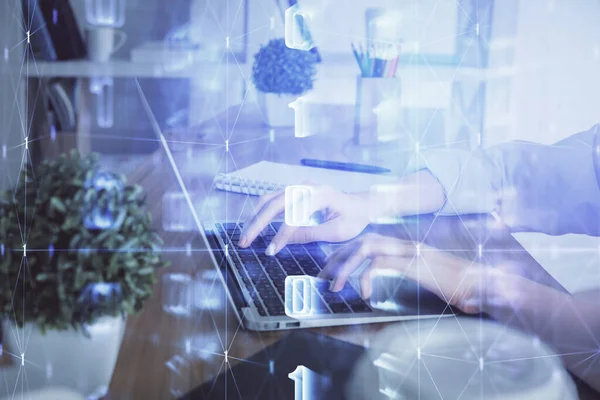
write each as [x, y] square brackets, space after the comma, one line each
[115, 69]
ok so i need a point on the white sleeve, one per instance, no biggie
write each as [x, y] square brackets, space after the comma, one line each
[469, 181]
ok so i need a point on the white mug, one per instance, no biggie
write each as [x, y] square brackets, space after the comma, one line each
[101, 42]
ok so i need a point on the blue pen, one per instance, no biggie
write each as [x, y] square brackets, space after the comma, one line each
[368, 169]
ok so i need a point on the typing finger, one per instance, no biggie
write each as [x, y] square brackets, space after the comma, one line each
[336, 259]
[351, 264]
[280, 239]
[264, 199]
[269, 211]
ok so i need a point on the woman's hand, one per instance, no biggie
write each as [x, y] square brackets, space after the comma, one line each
[453, 279]
[345, 216]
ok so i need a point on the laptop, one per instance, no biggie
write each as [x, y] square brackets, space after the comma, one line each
[256, 283]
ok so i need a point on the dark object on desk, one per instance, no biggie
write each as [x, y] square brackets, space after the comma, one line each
[52, 30]
[367, 169]
[256, 379]
[61, 95]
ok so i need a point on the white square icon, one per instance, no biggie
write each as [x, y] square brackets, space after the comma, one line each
[298, 205]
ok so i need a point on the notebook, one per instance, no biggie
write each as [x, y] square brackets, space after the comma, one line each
[266, 177]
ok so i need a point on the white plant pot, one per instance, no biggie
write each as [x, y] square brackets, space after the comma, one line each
[276, 109]
[66, 359]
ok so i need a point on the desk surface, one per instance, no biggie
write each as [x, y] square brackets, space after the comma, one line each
[153, 337]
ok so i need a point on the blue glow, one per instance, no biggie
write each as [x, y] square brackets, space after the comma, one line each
[101, 293]
[102, 289]
[103, 88]
[52, 132]
[103, 218]
[51, 251]
[2, 249]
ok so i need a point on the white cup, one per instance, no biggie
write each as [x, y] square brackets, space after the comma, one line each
[101, 42]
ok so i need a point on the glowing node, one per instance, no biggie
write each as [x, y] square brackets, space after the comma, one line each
[3, 151]
[188, 249]
[418, 353]
[179, 369]
[49, 371]
[22, 359]
[272, 135]
[54, 16]
[103, 88]
[25, 250]
[28, 37]
[227, 42]
[298, 207]
[227, 145]
[6, 54]
[271, 367]
[177, 294]
[226, 357]
[26, 142]
[481, 363]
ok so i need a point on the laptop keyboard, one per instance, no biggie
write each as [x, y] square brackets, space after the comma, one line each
[264, 276]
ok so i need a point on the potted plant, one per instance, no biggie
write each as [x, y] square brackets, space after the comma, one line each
[281, 75]
[77, 255]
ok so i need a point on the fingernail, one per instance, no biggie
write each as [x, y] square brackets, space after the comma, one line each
[332, 286]
[242, 241]
[270, 251]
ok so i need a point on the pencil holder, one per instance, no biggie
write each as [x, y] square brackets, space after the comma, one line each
[378, 114]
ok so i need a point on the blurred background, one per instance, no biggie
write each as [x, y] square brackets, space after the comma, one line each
[219, 77]
[535, 79]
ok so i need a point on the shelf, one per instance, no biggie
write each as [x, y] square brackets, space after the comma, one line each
[115, 69]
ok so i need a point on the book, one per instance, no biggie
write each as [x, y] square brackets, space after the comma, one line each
[41, 41]
[266, 177]
[53, 30]
[61, 96]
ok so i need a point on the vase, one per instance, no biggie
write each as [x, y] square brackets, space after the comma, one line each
[62, 359]
[276, 109]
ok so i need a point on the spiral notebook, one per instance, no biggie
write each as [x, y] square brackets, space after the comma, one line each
[266, 177]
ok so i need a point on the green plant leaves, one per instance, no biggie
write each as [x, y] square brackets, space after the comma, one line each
[58, 205]
[53, 204]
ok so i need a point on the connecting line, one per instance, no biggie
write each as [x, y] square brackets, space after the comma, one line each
[163, 141]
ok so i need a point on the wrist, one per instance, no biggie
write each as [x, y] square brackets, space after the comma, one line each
[418, 193]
